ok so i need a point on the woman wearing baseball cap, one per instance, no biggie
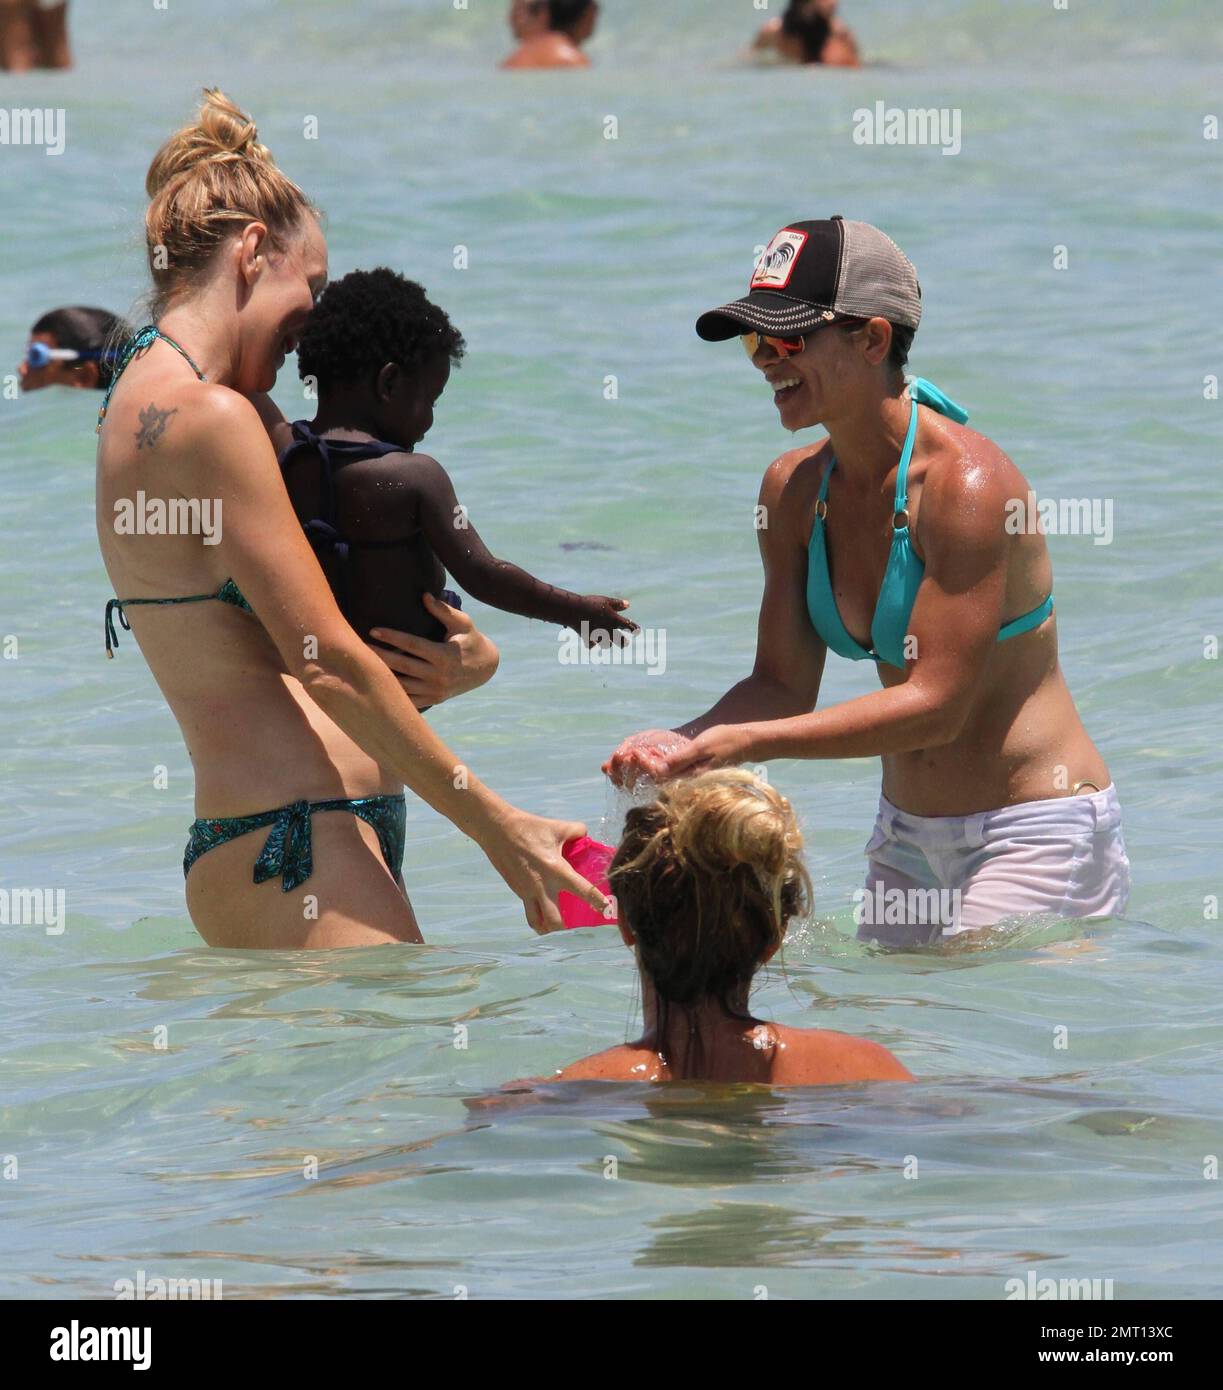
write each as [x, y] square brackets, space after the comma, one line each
[895, 540]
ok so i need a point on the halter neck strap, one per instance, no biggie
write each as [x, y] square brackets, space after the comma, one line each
[901, 502]
[920, 392]
[143, 338]
[926, 393]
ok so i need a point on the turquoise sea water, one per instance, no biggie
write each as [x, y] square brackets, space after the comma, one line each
[163, 1100]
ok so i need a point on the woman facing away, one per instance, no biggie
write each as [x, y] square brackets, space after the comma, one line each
[302, 739]
[810, 31]
[707, 878]
[907, 540]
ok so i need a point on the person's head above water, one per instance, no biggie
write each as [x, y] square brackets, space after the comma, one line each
[575, 18]
[74, 346]
[845, 277]
[808, 24]
[235, 247]
[380, 353]
[706, 880]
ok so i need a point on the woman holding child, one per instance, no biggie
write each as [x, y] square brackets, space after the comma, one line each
[301, 736]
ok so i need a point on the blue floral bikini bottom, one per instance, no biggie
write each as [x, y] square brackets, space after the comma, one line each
[287, 851]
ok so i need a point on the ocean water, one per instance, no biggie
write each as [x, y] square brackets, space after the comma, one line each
[164, 1107]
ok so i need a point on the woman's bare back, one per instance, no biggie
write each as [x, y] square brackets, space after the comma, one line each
[767, 1053]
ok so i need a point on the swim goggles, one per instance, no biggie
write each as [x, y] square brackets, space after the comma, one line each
[40, 355]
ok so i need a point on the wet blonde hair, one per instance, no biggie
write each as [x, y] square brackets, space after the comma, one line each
[708, 877]
[208, 179]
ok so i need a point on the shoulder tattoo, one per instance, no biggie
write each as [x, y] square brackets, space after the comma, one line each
[152, 425]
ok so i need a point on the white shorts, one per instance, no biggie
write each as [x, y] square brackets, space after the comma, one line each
[930, 877]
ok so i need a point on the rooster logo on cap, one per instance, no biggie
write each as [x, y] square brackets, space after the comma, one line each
[774, 262]
[777, 260]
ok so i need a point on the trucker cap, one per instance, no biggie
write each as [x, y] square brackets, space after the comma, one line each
[814, 271]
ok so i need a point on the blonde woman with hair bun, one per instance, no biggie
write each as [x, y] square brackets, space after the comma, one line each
[302, 739]
[707, 879]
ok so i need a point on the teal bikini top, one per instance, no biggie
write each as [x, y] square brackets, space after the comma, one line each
[904, 572]
[229, 591]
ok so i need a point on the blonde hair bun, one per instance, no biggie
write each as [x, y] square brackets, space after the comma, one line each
[220, 132]
[708, 877]
[728, 817]
[206, 182]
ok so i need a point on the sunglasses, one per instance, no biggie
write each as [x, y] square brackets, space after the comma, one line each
[791, 347]
[40, 355]
[783, 347]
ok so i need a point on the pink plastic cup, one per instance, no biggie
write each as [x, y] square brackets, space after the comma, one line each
[590, 859]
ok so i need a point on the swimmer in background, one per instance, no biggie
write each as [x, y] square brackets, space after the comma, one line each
[72, 347]
[551, 33]
[809, 32]
[384, 520]
[706, 880]
[34, 34]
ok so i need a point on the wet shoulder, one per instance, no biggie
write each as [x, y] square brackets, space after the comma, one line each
[792, 481]
[967, 458]
[623, 1063]
[183, 419]
[799, 467]
[202, 411]
[818, 1057]
[967, 480]
[403, 480]
[403, 463]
